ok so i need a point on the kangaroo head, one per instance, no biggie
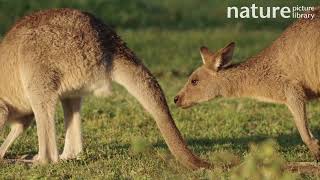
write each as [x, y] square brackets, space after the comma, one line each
[207, 81]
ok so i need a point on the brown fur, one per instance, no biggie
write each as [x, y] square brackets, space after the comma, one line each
[287, 72]
[63, 54]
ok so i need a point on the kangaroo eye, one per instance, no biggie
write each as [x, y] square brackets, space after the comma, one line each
[194, 82]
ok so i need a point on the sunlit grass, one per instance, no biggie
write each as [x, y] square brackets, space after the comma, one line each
[122, 141]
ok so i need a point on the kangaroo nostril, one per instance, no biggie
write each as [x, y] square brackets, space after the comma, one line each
[176, 99]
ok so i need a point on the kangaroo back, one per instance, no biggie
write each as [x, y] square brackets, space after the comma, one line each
[297, 52]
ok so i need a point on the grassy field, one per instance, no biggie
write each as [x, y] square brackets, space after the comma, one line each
[120, 140]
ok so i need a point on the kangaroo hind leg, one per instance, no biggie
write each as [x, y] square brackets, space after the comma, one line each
[44, 109]
[41, 85]
[17, 128]
[4, 113]
[72, 122]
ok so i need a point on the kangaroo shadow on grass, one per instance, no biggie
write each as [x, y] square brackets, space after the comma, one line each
[201, 145]
[285, 141]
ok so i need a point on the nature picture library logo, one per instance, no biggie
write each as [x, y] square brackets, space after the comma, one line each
[270, 12]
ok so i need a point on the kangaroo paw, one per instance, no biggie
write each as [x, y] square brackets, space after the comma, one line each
[2, 154]
[314, 147]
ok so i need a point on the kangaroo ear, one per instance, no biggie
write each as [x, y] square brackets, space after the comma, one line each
[224, 56]
[206, 55]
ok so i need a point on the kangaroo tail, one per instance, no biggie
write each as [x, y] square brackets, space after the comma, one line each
[144, 87]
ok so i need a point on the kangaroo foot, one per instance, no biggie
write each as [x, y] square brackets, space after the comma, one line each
[65, 156]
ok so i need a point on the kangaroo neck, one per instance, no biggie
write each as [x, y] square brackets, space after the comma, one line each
[130, 73]
[244, 79]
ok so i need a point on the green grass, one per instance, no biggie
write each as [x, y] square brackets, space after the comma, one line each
[120, 139]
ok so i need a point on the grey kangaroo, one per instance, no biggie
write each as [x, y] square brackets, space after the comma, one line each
[287, 72]
[61, 55]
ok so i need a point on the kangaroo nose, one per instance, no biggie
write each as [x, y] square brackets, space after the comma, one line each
[176, 99]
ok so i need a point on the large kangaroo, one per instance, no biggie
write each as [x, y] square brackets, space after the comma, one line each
[63, 54]
[287, 72]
